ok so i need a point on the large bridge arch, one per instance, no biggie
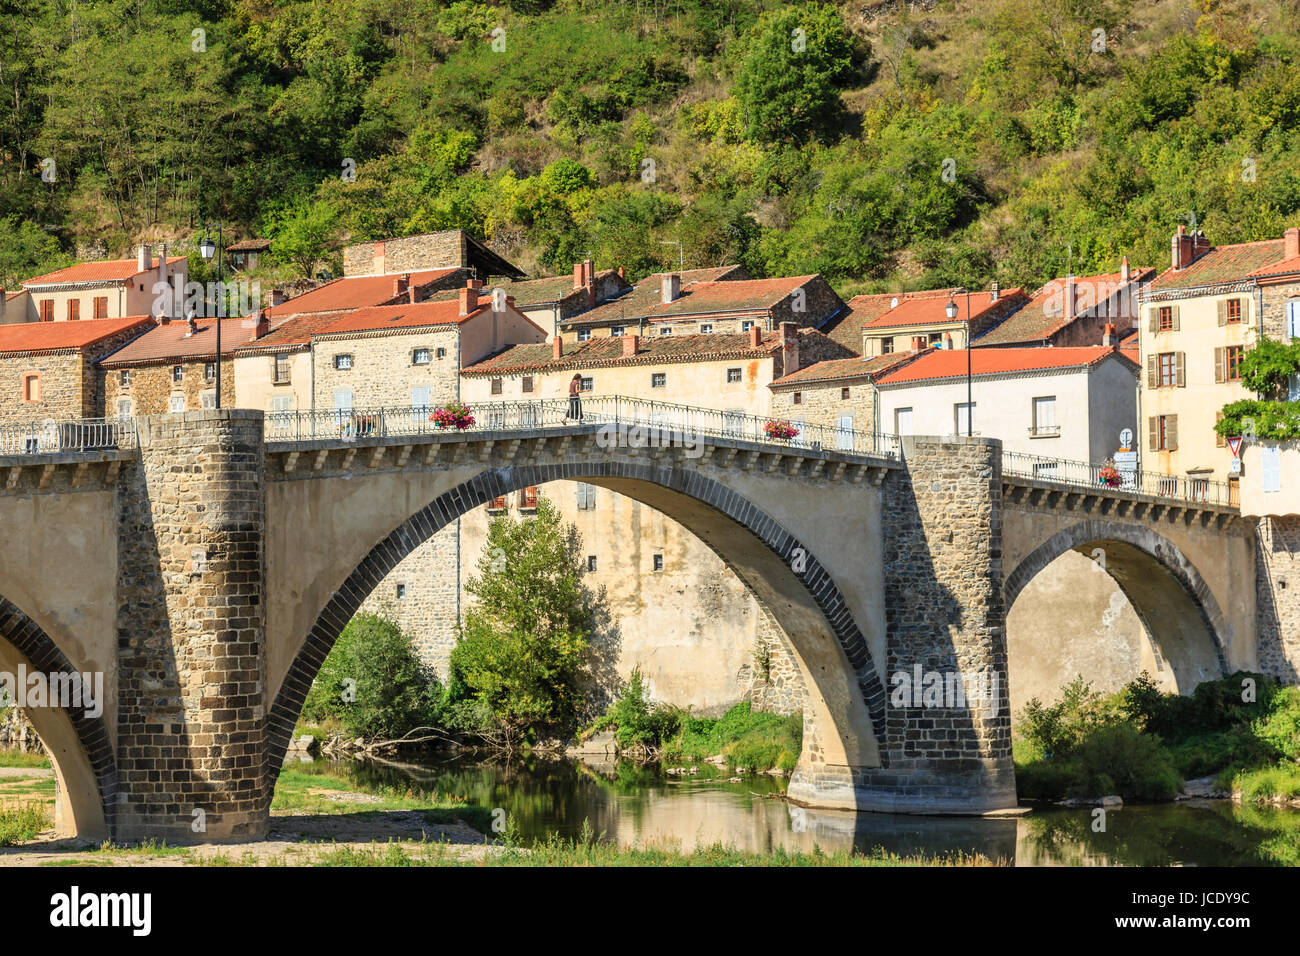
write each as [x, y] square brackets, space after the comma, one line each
[1170, 595]
[78, 744]
[846, 700]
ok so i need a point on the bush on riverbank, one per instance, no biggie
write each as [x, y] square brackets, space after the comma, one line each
[1140, 742]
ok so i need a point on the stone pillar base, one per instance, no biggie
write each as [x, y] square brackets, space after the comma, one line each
[972, 791]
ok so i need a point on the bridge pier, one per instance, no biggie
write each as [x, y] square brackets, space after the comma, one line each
[191, 631]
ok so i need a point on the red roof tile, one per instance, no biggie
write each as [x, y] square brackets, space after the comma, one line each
[351, 292]
[113, 270]
[929, 309]
[173, 342]
[1284, 267]
[608, 351]
[1044, 314]
[61, 336]
[951, 363]
[1221, 265]
[405, 316]
[643, 299]
[745, 295]
[840, 369]
[291, 334]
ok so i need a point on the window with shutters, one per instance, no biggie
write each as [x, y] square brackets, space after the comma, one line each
[281, 369]
[101, 306]
[1166, 318]
[1234, 492]
[1232, 363]
[528, 498]
[1044, 410]
[177, 403]
[497, 504]
[1232, 311]
[586, 496]
[47, 310]
[1168, 374]
[1219, 440]
[1163, 433]
[497, 385]
[74, 310]
[208, 398]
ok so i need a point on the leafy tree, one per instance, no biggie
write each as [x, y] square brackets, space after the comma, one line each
[26, 250]
[304, 236]
[1268, 367]
[524, 644]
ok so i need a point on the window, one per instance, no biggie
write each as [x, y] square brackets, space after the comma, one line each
[1166, 370]
[665, 330]
[844, 394]
[441, 353]
[420, 398]
[1219, 440]
[706, 327]
[746, 326]
[496, 386]
[401, 592]
[124, 408]
[420, 357]
[658, 379]
[797, 398]
[584, 335]
[1234, 492]
[343, 399]
[1165, 319]
[1162, 432]
[963, 414]
[497, 504]
[586, 496]
[934, 338]
[282, 368]
[178, 373]
[844, 433]
[176, 403]
[1270, 468]
[527, 383]
[1227, 363]
[902, 421]
[32, 387]
[47, 310]
[74, 310]
[528, 498]
[591, 562]
[209, 371]
[1045, 417]
[886, 346]
[343, 362]
[617, 331]
[281, 403]
[1230, 312]
[208, 398]
[101, 307]
[733, 376]
[658, 562]
[586, 384]
[124, 378]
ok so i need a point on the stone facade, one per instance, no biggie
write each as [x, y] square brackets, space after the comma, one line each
[435, 250]
[151, 388]
[383, 371]
[825, 403]
[1277, 595]
[70, 384]
[191, 655]
[1275, 300]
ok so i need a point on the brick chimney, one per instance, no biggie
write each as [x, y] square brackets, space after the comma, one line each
[557, 348]
[994, 291]
[947, 340]
[1291, 244]
[789, 348]
[579, 271]
[380, 260]
[755, 336]
[671, 287]
[469, 298]
[1108, 335]
[631, 343]
[144, 258]
[1200, 244]
[400, 284]
[1071, 297]
[1124, 273]
[1182, 248]
[411, 293]
[277, 297]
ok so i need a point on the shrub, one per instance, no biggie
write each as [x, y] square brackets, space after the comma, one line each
[636, 719]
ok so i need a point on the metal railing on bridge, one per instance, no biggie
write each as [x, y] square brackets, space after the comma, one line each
[1080, 474]
[52, 437]
[665, 419]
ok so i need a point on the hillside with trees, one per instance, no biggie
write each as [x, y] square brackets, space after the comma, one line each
[883, 144]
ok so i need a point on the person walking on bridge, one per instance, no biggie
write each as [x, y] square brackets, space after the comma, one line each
[575, 401]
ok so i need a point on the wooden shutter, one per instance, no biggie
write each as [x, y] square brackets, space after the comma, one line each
[1220, 369]
[74, 310]
[1153, 371]
[1153, 320]
[1153, 433]
[1219, 440]
[1180, 369]
[101, 306]
[1174, 310]
[1223, 311]
[1171, 433]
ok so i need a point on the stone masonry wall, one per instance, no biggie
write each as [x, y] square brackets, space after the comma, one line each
[439, 250]
[383, 373]
[191, 625]
[150, 387]
[823, 403]
[1277, 591]
[1275, 298]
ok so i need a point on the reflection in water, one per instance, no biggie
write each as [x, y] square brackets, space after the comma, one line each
[639, 806]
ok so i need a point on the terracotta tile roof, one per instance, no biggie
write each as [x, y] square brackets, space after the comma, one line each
[1220, 265]
[1044, 314]
[351, 292]
[951, 363]
[531, 292]
[1284, 267]
[111, 270]
[841, 369]
[406, 316]
[65, 336]
[249, 245]
[643, 298]
[1130, 346]
[290, 334]
[746, 295]
[929, 309]
[173, 342]
[608, 352]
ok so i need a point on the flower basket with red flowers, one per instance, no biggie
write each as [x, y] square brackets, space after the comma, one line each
[783, 430]
[1110, 477]
[455, 416]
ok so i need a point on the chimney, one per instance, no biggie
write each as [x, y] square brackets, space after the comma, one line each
[1182, 248]
[755, 336]
[400, 284]
[1291, 244]
[380, 261]
[1108, 335]
[1071, 298]
[630, 345]
[671, 288]
[277, 296]
[1200, 244]
[1123, 270]
[468, 299]
[789, 348]
[262, 326]
[994, 291]
[557, 348]
[918, 343]
[579, 274]
[144, 258]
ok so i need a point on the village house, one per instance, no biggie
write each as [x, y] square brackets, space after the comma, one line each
[450, 249]
[1200, 316]
[837, 393]
[1073, 311]
[635, 305]
[247, 253]
[272, 364]
[49, 372]
[920, 319]
[172, 367]
[363, 292]
[110, 289]
[1067, 404]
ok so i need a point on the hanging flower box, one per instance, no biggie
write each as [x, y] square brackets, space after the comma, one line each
[455, 416]
[781, 430]
[1110, 477]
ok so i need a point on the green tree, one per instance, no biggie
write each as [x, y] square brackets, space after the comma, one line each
[26, 250]
[524, 644]
[304, 235]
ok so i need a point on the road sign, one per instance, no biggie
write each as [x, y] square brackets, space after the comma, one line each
[1235, 445]
[1126, 439]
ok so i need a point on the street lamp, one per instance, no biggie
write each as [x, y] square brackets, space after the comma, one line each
[950, 310]
[208, 249]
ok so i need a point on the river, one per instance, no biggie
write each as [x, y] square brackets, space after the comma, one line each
[640, 806]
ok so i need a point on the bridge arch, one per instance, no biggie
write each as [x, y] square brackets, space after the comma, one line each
[845, 701]
[1168, 593]
[79, 745]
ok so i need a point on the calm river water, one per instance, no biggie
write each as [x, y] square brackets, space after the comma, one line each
[641, 806]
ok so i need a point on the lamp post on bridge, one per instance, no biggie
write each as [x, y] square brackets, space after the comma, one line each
[207, 248]
[950, 310]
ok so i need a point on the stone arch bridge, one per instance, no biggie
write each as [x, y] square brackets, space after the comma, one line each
[203, 563]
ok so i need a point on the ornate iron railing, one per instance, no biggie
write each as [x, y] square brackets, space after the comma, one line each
[52, 437]
[1080, 474]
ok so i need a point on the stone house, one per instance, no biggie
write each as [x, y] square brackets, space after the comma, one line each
[272, 363]
[247, 253]
[173, 368]
[361, 292]
[916, 320]
[633, 307]
[837, 393]
[102, 290]
[49, 371]
[450, 249]
[1199, 317]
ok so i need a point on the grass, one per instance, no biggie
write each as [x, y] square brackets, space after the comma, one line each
[298, 790]
[20, 758]
[21, 822]
[1268, 784]
[751, 741]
